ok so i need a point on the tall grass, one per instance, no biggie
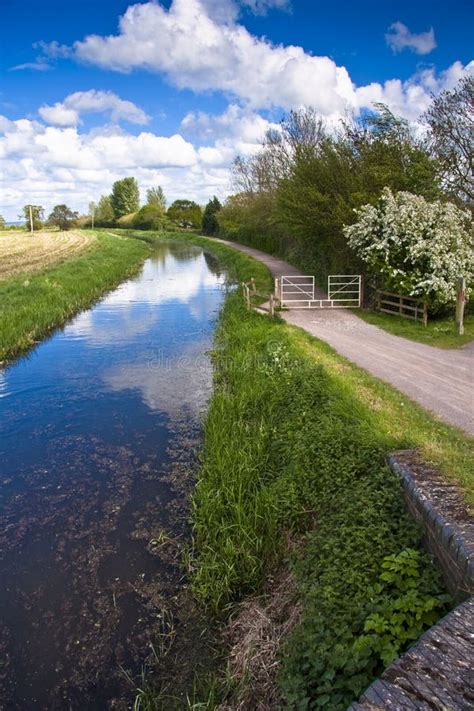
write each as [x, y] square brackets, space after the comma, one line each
[32, 305]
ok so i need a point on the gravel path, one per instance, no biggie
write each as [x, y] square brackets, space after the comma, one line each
[440, 380]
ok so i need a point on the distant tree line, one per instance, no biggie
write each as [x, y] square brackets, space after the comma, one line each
[121, 208]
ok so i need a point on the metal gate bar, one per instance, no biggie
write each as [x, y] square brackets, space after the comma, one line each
[297, 291]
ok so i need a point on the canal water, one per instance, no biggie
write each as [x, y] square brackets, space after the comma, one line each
[99, 428]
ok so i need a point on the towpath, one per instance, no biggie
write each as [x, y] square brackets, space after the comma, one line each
[440, 380]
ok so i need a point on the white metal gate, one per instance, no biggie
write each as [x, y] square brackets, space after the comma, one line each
[296, 291]
[344, 291]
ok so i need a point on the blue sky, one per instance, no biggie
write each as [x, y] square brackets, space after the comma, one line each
[174, 92]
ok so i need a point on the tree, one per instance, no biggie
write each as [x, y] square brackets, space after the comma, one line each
[186, 213]
[37, 214]
[451, 121]
[125, 197]
[156, 197]
[385, 152]
[63, 217]
[414, 247]
[210, 225]
[2, 222]
[104, 214]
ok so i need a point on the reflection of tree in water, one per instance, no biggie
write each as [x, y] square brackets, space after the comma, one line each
[213, 264]
[184, 252]
[160, 254]
[178, 251]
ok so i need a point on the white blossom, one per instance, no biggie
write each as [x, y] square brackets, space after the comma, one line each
[415, 247]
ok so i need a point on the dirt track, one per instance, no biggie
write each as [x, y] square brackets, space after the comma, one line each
[21, 252]
[440, 380]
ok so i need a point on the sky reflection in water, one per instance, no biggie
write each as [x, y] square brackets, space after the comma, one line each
[87, 424]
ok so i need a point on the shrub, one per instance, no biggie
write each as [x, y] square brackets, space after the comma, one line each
[149, 217]
[414, 247]
[185, 213]
[127, 220]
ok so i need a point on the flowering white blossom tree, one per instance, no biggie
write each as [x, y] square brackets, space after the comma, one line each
[414, 247]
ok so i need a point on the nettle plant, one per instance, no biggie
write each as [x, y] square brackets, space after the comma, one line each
[414, 247]
[400, 609]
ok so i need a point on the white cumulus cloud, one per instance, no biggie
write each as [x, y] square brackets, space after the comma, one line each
[67, 112]
[399, 38]
[196, 51]
[200, 45]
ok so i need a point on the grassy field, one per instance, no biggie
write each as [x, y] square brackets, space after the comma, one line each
[440, 333]
[295, 445]
[22, 252]
[34, 302]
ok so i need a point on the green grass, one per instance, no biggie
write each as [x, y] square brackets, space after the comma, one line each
[295, 444]
[291, 446]
[32, 305]
[438, 332]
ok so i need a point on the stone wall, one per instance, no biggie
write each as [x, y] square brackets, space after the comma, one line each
[438, 671]
[447, 524]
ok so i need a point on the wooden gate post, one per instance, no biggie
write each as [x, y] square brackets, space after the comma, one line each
[272, 305]
[460, 303]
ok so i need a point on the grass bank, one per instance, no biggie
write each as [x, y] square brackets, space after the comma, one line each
[295, 445]
[292, 448]
[440, 333]
[33, 304]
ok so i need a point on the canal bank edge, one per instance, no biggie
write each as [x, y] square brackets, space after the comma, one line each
[437, 671]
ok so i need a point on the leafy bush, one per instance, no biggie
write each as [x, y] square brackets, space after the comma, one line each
[185, 213]
[332, 659]
[414, 247]
[126, 220]
[149, 217]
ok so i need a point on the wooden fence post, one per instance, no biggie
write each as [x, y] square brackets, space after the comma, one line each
[272, 305]
[425, 314]
[460, 303]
